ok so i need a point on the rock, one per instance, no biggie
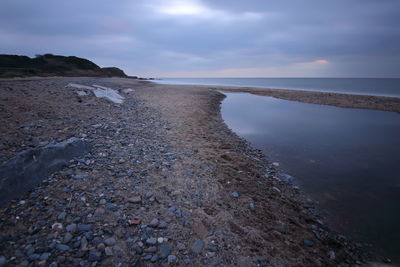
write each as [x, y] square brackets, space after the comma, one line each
[197, 246]
[71, 227]
[180, 246]
[102, 201]
[135, 200]
[331, 255]
[34, 257]
[28, 168]
[62, 216]
[153, 223]
[67, 238]
[235, 194]
[80, 176]
[150, 250]
[308, 243]
[62, 247]
[171, 259]
[164, 251]
[57, 226]
[162, 225]
[276, 189]
[154, 258]
[151, 241]
[94, 255]
[84, 227]
[3, 261]
[160, 240]
[84, 243]
[109, 251]
[44, 256]
[110, 241]
[252, 207]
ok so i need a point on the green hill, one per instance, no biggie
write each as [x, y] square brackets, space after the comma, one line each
[53, 65]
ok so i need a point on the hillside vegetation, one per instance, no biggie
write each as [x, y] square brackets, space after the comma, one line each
[53, 65]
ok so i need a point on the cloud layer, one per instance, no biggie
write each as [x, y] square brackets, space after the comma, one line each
[205, 38]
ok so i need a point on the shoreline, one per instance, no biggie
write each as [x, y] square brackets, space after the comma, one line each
[168, 148]
[381, 103]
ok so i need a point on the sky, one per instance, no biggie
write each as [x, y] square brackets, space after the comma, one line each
[212, 38]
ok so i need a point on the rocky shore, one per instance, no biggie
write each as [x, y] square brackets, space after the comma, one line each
[163, 182]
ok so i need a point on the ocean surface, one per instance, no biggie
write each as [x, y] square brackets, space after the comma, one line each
[363, 86]
[346, 159]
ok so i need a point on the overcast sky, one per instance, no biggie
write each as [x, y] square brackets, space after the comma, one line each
[212, 38]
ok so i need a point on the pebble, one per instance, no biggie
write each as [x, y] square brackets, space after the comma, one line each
[94, 255]
[308, 243]
[171, 259]
[62, 216]
[102, 201]
[151, 241]
[135, 200]
[67, 238]
[110, 241]
[252, 207]
[153, 223]
[44, 256]
[62, 247]
[164, 251]
[154, 258]
[197, 246]
[71, 227]
[84, 243]
[160, 240]
[162, 225]
[235, 194]
[150, 250]
[180, 246]
[109, 251]
[331, 255]
[84, 227]
[80, 176]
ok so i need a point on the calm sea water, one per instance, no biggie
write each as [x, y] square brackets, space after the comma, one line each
[347, 159]
[364, 86]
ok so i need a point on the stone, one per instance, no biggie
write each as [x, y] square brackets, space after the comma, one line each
[171, 259]
[235, 194]
[180, 246]
[34, 257]
[162, 225]
[252, 207]
[84, 227]
[62, 216]
[135, 200]
[67, 238]
[84, 243]
[150, 250]
[308, 243]
[154, 258]
[44, 256]
[62, 247]
[71, 227]
[80, 176]
[151, 241]
[102, 201]
[160, 240]
[331, 255]
[110, 241]
[28, 168]
[94, 255]
[153, 223]
[197, 246]
[108, 251]
[164, 251]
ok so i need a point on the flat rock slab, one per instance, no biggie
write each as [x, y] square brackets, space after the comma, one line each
[27, 169]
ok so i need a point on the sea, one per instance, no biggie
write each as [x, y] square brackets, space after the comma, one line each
[362, 86]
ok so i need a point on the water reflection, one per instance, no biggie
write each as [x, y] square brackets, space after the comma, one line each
[347, 159]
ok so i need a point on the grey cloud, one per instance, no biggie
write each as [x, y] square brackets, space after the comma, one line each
[358, 37]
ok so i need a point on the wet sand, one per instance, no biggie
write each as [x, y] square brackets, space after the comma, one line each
[211, 198]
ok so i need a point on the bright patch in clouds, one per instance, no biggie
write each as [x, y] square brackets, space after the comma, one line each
[196, 9]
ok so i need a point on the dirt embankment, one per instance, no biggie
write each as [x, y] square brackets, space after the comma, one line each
[164, 182]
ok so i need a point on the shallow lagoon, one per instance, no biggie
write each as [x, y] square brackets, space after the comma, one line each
[346, 159]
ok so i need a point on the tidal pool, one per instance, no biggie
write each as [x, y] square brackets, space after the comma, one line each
[346, 159]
